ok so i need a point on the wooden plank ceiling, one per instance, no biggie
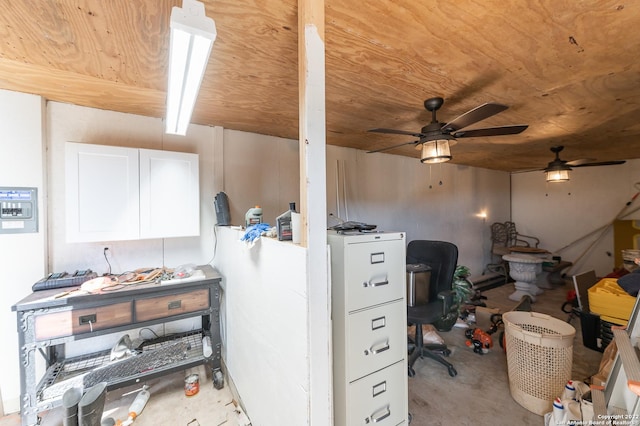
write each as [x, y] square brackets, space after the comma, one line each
[568, 69]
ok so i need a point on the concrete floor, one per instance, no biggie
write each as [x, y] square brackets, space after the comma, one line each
[478, 395]
[167, 405]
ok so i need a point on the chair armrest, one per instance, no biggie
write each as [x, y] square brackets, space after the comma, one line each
[447, 300]
[534, 240]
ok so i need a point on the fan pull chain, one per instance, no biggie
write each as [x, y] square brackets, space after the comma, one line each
[430, 186]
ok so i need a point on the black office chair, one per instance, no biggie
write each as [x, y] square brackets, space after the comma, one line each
[442, 257]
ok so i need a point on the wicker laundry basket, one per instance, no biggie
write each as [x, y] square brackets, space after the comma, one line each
[539, 358]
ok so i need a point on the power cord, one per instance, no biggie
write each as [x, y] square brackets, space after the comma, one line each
[215, 244]
[104, 252]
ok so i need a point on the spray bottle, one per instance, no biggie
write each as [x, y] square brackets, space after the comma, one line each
[558, 415]
[137, 406]
[569, 392]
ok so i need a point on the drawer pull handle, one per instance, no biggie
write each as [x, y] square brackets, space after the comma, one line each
[176, 304]
[379, 415]
[376, 350]
[375, 284]
[88, 319]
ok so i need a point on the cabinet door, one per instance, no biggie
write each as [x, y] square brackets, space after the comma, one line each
[101, 193]
[169, 194]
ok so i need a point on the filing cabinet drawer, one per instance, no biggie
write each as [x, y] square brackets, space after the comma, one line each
[380, 398]
[67, 323]
[376, 338]
[176, 304]
[376, 273]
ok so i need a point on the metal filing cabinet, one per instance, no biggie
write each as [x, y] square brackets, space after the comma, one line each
[369, 316]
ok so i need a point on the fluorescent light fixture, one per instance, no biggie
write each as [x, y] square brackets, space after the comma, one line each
[192, 35]
[436, 151]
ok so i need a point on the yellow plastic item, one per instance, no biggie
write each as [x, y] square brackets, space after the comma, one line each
[610, 300]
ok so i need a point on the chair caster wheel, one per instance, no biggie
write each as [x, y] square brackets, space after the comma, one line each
[452, 371]
[412, 372]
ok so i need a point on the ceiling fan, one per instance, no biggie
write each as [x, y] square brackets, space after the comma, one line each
[558, 169]
[435, 138]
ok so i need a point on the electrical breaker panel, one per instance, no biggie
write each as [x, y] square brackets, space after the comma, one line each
[18, 210]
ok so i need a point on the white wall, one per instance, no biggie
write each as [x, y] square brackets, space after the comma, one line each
[87, 125]
[401, 194]
[260, 170]
[22, 256]
[265, 327]
[560, 213]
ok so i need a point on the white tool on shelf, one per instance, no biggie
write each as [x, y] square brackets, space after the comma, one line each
[137, 406]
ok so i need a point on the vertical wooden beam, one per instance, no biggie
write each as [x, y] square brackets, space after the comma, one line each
[313, 204]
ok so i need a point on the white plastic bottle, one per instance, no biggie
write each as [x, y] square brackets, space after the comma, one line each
[558, 415]
[138, 405]
[207, 350]
[253, 216]
[569, 391]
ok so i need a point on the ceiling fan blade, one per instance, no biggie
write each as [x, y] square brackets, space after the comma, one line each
[492, 131]
[527, 171]
[392, 147]
[577, 163]
[599, 163]
[473, 116]
[396, 132]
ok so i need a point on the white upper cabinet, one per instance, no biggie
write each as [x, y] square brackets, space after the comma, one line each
[116, 193]
[102, 193]
[169, 194]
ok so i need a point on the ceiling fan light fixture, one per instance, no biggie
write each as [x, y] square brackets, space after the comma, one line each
[557, 174]
[436, 151]
[192, 36]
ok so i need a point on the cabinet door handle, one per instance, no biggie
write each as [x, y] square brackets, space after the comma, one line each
[376, 350]
[375, 284]
[379, 415]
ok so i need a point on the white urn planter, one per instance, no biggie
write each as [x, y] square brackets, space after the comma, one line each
[524, 269]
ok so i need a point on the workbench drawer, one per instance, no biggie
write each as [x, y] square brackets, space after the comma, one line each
[175, 304]
[71, 322]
